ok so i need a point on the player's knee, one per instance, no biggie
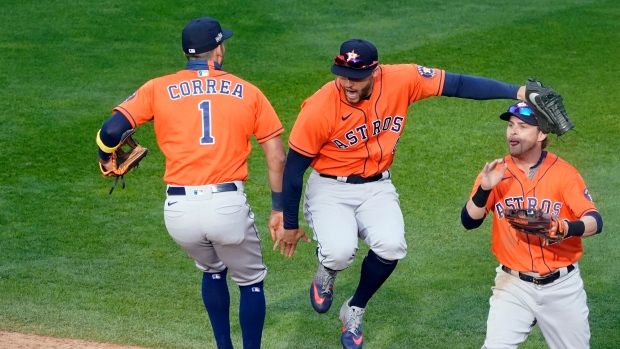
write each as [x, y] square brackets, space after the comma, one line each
[338, 258]
[337, 265]
[248, 277]
[390, 250]
[373, 255]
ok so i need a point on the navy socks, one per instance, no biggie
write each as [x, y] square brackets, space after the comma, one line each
[375, 270]
[252, 309]
[216, 299]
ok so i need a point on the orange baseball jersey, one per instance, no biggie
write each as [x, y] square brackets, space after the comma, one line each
[203, 121]
[361, 139]
[557, 188]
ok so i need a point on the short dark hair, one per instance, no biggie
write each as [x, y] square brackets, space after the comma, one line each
[544, 143]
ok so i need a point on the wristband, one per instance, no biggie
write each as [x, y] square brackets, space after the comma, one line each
[277, 201]
[576, 228]
[104, 147]
[480, 197]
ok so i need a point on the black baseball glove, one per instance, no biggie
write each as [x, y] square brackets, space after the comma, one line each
[548, 107]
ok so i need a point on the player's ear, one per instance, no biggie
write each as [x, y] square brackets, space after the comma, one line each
[218, 53]
[375, 72]
[541, 136]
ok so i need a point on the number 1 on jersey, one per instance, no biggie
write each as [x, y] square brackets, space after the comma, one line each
[205, 107]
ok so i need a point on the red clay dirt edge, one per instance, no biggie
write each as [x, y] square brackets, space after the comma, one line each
[12, 340]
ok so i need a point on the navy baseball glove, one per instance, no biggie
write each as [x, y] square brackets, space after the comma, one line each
[548, 107]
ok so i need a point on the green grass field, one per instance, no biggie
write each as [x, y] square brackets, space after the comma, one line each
[77, 262]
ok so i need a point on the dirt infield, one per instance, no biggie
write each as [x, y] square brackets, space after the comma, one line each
[11, 340]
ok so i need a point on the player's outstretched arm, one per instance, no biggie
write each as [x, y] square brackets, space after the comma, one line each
[288, 237]
[521, 93]
[276, 158]
[480, 88]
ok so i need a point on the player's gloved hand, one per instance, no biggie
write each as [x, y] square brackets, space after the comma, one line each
[123, 160]
[548, 108]
[550, 228]
[287, 239]
[106, 165]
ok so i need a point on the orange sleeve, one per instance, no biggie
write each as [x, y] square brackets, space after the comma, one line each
[312, 128]
[426, 82]
[576, 195]
[267, 124]
[138, 108]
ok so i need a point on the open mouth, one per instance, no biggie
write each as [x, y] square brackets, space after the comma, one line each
[351, 94]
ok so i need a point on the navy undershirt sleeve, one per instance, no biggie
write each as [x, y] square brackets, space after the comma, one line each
[112, 131]
[468, 222]
[292, 183]
[475, 87]
[599, 221]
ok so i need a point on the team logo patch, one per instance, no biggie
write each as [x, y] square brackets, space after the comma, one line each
[427, 73]
[586, 193]
[203, 73]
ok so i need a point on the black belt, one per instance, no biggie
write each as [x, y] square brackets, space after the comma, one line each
[215, 188]
[542, 280]
[357, 179]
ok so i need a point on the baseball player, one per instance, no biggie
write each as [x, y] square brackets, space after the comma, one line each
[348, 132]
[535, 282]
[203, 119]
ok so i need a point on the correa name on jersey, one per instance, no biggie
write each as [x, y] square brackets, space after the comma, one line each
[198, 87]
[353, 137]
[517, 202]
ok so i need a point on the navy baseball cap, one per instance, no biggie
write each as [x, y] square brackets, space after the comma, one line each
[523, 111]
[357, 59]
[203, 35]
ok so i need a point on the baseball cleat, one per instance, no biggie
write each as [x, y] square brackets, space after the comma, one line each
[322, 289]
[351, 318]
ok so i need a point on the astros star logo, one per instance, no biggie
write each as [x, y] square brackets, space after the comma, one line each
[351, 55]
